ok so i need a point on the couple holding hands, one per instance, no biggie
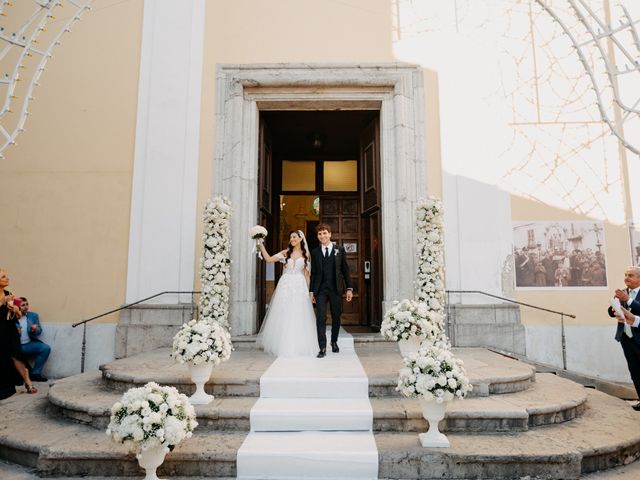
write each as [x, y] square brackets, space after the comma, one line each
[291, 327]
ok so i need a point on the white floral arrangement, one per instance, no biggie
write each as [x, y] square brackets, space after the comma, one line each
[215, 264]
[410, 318]
[434, 374]
[258, 232]
[430, 253]
[202, 341]
[152, 416]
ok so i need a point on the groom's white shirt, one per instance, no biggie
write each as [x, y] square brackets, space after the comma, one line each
[330, 247]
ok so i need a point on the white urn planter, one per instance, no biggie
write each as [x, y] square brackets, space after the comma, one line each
[433, 412]
[412, 345]
[150, 459]
[200, 375]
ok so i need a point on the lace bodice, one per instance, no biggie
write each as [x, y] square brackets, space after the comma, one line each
[292, 265]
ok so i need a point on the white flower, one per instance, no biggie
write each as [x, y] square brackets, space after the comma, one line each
[144, 416]
[433, 373]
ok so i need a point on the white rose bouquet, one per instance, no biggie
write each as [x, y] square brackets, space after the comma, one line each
[152, 416]
[433, 373]
[409, 318]
[258, 233]
[202, 341]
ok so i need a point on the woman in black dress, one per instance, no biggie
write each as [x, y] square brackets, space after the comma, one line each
[13, 366]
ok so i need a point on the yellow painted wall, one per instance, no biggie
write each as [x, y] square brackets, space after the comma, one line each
[302, 31]
[66, 185]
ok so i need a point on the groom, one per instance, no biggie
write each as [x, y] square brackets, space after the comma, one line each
[329, 281]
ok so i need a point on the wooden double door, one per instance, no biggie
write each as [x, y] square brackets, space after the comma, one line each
[354, 218]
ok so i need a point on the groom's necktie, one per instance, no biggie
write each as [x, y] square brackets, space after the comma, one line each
[326, 252]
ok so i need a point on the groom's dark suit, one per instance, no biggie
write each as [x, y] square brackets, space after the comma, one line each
[630, 346]
[329, 280]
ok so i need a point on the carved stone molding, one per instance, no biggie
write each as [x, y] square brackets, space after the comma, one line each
[394, 89]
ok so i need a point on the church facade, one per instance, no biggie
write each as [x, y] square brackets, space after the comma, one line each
[347, 114]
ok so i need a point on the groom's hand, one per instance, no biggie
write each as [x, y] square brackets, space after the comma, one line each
[349, 295]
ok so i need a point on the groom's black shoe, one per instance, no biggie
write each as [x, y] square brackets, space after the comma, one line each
[321, 353]
[334, 347]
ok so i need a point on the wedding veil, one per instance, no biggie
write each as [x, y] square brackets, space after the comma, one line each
[306, 249]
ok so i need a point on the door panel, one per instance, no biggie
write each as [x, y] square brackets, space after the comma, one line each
[370, 192]
[341, 213]
[265, 215]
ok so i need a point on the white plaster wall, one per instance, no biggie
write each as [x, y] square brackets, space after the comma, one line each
[591, 350]
[477, 237]
[66, 347]
[163, 205]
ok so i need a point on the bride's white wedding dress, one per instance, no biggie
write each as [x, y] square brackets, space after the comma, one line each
[289, 328]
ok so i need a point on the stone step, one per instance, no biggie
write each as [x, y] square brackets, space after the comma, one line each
[310, 377]
[309, 455]
[311, 414]
[489, 372]
[607, 435]
[84, 399]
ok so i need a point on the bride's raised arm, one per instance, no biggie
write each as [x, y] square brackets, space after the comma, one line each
[278, 257]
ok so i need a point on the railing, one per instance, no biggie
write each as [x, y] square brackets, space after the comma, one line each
[510, 300]
[124, 307]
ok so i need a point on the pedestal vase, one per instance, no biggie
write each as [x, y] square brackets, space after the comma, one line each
[150, 459]
[433, 412]
[409, 346]
[200, 375]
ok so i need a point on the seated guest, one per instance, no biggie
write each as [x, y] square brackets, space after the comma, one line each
[32, 347]
[13, 370]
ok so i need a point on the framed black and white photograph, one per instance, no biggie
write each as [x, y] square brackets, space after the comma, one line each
[559, 254]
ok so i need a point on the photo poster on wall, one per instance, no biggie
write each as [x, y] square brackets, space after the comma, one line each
[559, 254]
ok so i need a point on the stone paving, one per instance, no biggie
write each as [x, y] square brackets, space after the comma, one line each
[583, 430]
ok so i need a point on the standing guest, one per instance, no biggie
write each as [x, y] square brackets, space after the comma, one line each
[630, 300]
[13, 367]
[30, 329]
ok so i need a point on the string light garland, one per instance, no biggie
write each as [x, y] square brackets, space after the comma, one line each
[29, 31]
[601, 36]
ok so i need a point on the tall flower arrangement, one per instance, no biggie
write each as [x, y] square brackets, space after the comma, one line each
[430, 239]
[215, 264]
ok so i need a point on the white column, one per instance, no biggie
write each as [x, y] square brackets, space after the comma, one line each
[163, 203]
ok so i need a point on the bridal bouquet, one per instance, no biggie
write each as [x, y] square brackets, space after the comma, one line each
[258, 232]
[410, 318]
[201, 341]
[152, 416]
[434, 374]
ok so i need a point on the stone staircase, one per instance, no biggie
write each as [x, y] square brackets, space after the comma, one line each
[517, 423]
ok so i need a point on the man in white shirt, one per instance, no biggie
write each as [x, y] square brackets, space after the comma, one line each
[630, 301]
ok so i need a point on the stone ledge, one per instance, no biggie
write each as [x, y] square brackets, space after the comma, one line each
[607, 435]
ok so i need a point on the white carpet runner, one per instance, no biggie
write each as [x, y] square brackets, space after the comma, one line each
[313, 420]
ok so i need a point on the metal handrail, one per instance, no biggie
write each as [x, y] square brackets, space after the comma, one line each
[511, 300]
[123, 307]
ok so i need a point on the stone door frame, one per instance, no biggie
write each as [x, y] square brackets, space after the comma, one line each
[396, 90]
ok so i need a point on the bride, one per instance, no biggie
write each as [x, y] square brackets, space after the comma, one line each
[289, 328]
